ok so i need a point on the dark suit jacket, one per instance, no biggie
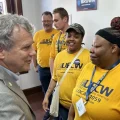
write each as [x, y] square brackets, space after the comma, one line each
[13, 103]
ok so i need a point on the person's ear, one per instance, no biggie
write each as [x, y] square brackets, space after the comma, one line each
[2, 54]
[65, 19]
[114, 48]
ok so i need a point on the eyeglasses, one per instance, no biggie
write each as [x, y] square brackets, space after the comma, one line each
[47, 21]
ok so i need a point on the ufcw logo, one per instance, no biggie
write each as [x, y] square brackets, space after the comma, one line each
[76, 64]
[102, 89]
[47, 41]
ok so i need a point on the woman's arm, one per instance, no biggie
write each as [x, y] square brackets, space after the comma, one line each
[71, 114]
[48, 93]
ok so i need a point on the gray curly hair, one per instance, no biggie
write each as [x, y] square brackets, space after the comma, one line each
[7, 24]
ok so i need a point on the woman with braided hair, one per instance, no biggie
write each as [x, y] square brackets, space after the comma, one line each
[97, 92]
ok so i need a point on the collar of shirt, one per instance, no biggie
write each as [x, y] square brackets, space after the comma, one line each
[15, 76]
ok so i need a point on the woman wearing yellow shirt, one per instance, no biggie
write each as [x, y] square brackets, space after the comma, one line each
[97, 92]
[62, 61]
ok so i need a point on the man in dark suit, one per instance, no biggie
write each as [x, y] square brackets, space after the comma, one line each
[15, 56]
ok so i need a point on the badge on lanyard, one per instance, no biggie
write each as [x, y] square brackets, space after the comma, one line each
[80, 107]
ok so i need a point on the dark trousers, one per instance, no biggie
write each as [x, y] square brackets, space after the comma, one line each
[63, 113]
[45, 77]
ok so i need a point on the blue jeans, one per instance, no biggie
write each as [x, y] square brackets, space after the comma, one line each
[63, 113]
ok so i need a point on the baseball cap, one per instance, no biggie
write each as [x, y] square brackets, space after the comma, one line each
[77, 27]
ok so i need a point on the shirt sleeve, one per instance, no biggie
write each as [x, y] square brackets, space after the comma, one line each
[52, 49]
[35, 39]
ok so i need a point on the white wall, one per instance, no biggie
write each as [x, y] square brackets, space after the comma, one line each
[91, 20]
[31, 10]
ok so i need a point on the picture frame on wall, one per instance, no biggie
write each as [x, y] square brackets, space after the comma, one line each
[1, 7]
[83, 5]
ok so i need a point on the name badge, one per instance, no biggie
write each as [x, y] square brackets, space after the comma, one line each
[80, 107]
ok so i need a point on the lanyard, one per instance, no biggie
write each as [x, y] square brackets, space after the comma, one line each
[59, 46]
[91, 88]
[58, 42]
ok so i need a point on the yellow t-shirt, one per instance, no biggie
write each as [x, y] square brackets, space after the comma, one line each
[42, 43]
[58, 44]
[104, 102]
[62, 61]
